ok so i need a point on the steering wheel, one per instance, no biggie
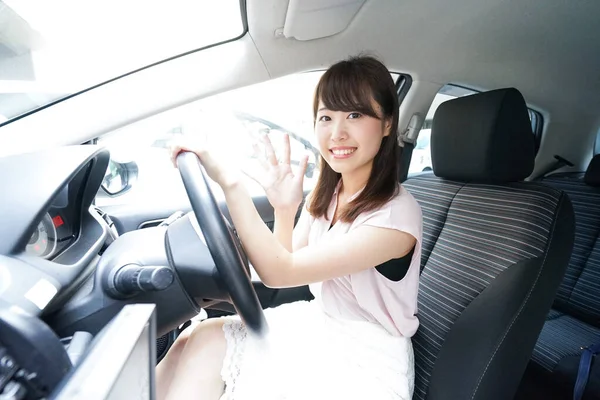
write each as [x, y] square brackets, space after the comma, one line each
[222, 242]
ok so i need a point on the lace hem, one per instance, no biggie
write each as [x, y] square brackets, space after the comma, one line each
[235, 336]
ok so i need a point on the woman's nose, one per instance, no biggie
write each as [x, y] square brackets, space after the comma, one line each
[338, 131]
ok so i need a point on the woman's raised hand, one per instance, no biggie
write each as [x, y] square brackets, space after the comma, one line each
[283, 186]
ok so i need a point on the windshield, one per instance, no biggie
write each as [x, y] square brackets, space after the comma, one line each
[51, 49]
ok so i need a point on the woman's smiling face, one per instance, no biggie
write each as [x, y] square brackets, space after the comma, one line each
[349, 140]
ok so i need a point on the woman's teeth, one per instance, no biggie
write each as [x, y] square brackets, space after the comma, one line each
[343, 152]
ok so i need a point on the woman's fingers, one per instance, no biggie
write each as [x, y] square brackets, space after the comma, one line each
[179, 146]
[302, 170]
[174, 151]
[259, 155]
[286, 149]
[269, 151]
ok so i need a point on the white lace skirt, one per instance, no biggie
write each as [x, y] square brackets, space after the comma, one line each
[309, 355]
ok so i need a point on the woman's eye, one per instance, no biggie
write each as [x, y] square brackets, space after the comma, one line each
[354, 115]
[324, 118]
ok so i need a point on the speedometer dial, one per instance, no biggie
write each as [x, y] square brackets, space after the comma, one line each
[43, 241]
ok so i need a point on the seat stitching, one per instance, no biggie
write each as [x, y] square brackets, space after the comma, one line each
[523, 303]
[445, 219]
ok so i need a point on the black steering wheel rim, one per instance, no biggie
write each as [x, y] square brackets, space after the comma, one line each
[228, 257]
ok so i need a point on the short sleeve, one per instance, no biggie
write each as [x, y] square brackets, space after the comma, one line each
[402, 213]
[302, 230]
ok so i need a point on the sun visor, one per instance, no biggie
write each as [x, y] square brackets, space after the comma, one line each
[314, 19]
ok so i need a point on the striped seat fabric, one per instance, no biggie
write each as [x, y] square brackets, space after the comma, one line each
[579, 292]
[472, 233]
[574, 321]
[561, 337]
[492, 259]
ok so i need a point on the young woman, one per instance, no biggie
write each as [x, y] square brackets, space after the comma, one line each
[357, 244]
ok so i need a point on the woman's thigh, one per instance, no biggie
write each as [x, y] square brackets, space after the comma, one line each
[198, 369]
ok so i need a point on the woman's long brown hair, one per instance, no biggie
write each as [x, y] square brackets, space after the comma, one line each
[351, 86]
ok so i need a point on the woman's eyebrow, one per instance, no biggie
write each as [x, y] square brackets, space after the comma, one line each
[322, 109]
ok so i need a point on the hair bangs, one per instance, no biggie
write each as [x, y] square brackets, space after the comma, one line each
[343, 89]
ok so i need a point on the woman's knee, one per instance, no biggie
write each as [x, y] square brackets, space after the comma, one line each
[208, 332]
[182, 339]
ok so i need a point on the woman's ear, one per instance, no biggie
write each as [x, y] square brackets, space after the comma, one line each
[387, 127]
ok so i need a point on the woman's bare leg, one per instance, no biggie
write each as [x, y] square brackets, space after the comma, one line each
[165, 370]
[197, 367]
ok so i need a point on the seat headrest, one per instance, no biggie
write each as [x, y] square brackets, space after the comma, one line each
[485, 137]
[592, 174]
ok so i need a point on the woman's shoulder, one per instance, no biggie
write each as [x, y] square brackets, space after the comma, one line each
[403, 201]
[400, 212]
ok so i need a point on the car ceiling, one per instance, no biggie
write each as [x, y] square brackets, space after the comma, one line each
[545, 49]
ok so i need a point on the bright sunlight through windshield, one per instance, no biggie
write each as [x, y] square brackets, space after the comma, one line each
[50, 49]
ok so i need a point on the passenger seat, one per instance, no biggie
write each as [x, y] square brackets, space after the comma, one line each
[574, 321]
[494, 250]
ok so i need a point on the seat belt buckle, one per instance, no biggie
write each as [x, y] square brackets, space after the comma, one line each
[592, 348]
[585, 365]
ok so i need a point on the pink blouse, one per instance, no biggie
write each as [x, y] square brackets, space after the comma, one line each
[368, 295]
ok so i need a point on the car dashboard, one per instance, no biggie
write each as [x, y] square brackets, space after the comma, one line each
[51, 239]
[56, 231]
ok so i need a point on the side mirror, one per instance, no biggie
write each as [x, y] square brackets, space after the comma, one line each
[119, 177]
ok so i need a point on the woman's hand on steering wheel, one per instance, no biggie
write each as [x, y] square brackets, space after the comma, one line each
[225, 175]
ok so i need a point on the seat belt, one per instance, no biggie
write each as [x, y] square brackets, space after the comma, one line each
[559, 163]
[407, 140]
[585, 364]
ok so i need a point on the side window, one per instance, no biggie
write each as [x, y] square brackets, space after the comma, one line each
[230, 120]
[421, 156]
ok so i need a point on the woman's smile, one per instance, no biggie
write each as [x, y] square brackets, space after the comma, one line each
[341, 152]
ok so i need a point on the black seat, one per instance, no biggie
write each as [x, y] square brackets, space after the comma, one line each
[574, 320]
[495, 249]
